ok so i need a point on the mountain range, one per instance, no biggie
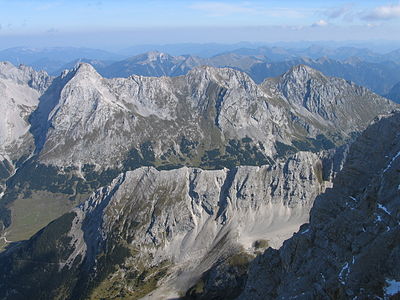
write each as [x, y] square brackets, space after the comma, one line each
[379, 77]
[188, 185]
[365, 67]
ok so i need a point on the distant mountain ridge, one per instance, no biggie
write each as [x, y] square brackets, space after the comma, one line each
[377, 76]
[394, 93]
[365, 67]
[53, 58]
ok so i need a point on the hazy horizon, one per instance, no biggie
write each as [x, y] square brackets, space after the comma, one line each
[119, 24]
[377, 46]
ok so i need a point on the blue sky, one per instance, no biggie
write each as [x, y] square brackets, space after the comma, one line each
[152, 21]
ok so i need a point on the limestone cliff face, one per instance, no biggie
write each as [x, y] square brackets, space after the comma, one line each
[99, 121]
[82, 118]
[350, 248]
[345, 105]
[22, 75]
[20, 90]
[180, 222]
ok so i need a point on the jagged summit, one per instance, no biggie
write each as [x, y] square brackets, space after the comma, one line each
[151, 56]
[156, 55]
[20, 90]
[23, 74]
[225, 76]
[341, 102]
[302, 73]
[152, 63]
[7, 68]
[85, 68]
[5, 65]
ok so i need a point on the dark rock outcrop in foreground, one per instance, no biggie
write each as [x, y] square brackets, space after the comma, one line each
[351, 247]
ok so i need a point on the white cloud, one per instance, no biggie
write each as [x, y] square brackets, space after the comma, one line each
[320, 23]
[384, 13]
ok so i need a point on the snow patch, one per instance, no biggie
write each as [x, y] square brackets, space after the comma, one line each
[378, 218]
[392, 288]
[352, 198]
[391, 162]
[380, 206]
[344, 273]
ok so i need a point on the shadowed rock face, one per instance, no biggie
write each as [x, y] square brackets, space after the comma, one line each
[351, 247]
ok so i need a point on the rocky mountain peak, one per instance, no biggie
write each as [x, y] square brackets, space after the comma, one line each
[156, 55]
[6, 69]
[302, 73]
[151, 57]
[86, 69]
[25, 75]
[334, 99]
[226, 77]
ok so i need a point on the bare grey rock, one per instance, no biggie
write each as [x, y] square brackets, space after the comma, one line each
[20, 90]
[345, 105]
[350, 248]
[93, 121]
[183, 221]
